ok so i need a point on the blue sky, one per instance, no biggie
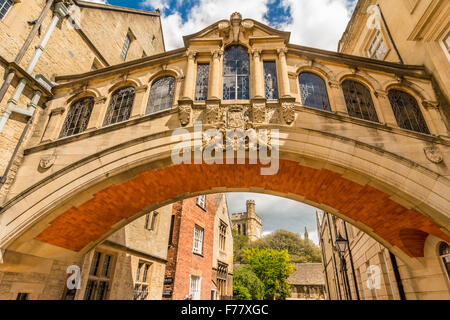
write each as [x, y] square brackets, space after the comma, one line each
[314, 23]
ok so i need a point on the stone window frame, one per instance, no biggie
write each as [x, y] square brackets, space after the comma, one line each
[153, 223]
[126, 46]
[97, 274]
[3, 5]
[142, 280]
[422, 112]
[369, 95]
[325, 83]
[446, 44]
[222, 235]
[378, 41]
[90, 106]
[223, 76]
[128, 105]
[155, 79]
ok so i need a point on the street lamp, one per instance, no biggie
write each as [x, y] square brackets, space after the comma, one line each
[341, 246]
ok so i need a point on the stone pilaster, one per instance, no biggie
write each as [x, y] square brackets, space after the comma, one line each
[188, 92]
[139, 105]
[338, 104]
[258, 74]
[216, 78]
[98, 111]
[285, 87]
[51, 131]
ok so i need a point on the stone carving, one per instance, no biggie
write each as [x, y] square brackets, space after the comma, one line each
[433, 154]
[47, 161]
[288, 111]
[231, 30]
[212, 113]
[273, 115]
[259, 112]
[184, 113]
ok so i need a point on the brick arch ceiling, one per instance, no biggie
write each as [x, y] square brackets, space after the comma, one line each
[399, 226]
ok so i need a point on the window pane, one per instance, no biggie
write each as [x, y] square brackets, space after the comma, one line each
[126, 47]
[138, 274]
[359, 101]
[407, 112]
[313, 91]
[78, 117]
[201, 89]
[95, 263]
[106, 266]
[236, 73]
[5, 5]
[270, 80]
[102, 290]
[161, 95]
[120, 106]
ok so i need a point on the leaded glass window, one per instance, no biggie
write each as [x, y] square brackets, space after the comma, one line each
[407, 112]
[359, 101]
[444, 252]
[5, 5]
[377, 49]
[126, 47]
[270, 80]
[119, 108]
[161, 95]
[78, 117]
[236, 73]
[201, 87]
[313, 91]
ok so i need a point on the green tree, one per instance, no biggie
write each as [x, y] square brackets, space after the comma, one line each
[239, 243]
[273, 268]
[300, 250]
[244, 277]
[241, 293]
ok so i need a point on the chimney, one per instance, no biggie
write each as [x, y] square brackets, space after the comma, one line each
[251, 208]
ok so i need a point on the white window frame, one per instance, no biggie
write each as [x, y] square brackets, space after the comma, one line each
[201, 201]
[446, 44]
[198, 240]
[195, 287]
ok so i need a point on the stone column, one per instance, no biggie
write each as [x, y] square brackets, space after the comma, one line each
[188, 92]
[214, 92]
[437, 125]
[258, 74]
[338, 104]
[387, 114]
[139, 105]
[285, 88]
[53, 125]
[99, 109]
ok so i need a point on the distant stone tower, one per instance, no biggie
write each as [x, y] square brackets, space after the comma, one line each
[248, 223]
[306, 234]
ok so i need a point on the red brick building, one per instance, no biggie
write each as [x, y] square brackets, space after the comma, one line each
[190, 254]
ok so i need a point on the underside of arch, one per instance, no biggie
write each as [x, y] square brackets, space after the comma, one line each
[79, 226]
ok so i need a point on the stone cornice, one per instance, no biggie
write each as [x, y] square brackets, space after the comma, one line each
[161, 58]
[92, 5]
[361, 62]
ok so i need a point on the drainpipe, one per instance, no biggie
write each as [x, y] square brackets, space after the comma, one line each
[60, 12]
[351, 262]
[398, 278]
[26, 45]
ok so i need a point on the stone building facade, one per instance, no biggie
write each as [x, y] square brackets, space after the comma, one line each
[370, 271]
[222, 270]
[248, 223]
[45, 39]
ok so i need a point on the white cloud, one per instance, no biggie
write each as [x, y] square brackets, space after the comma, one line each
[318, 23]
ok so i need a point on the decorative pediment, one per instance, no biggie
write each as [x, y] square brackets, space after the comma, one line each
[236, 30]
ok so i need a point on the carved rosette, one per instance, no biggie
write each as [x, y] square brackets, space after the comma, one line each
[434, 155]
[47, 161]
[184, 113]
[288, 111]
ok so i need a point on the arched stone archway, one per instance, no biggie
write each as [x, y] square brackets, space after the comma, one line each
[394, 200]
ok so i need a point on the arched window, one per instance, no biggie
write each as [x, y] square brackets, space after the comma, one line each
[359, 101]
[407, 111]
[161, 95]
[236, 73]
[119, 108]
[313, 91]
[78, 117]
[444, 252]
